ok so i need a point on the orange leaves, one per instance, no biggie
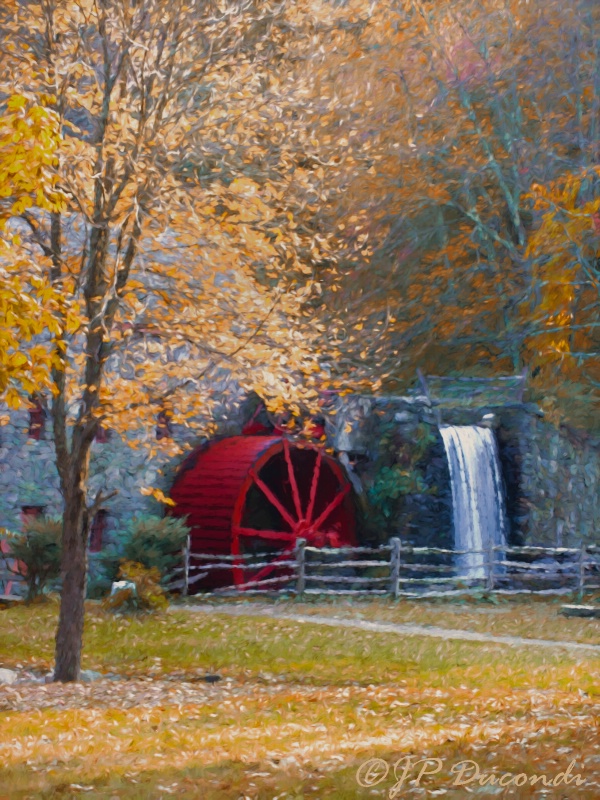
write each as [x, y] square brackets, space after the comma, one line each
[560, 248]
[157, 494]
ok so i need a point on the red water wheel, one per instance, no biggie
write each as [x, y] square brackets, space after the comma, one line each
[256, 496]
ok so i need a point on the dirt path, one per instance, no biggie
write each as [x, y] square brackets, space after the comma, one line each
[400, 629]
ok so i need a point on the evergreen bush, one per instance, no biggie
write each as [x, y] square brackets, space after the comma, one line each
[38, 550]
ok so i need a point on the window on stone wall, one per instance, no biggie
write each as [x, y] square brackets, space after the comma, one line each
[29, 513]
[164, 425]
[98, 531]
[37, 418]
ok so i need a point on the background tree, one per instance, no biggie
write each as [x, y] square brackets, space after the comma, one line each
[453, 112]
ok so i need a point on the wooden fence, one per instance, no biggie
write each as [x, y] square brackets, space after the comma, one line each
[398, 570]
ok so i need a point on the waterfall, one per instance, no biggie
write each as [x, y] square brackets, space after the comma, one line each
[477, 497]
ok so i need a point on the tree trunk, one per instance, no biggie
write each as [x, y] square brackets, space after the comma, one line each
[69, 635]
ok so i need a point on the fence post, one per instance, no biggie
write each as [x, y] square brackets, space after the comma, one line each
[300, 566]
[490, 574]
[186, 566]
[582, 555]
[395, 567]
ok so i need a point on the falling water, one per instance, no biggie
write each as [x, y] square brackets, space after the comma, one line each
[477, 498]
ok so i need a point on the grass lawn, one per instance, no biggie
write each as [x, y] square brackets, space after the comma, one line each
[299, 709]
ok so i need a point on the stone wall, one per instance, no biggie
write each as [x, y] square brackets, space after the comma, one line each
[28, 476]
[551, 475]
[553, 481]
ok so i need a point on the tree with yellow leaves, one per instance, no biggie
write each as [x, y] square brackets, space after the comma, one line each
[172, 254]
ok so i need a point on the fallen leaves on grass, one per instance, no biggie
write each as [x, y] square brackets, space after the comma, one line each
[298, 709]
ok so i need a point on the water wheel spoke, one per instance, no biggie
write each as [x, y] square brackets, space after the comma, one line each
[262, 573]
[292, 477]
[274, 500]
[332, 506]
[255, 533]
[313, 487]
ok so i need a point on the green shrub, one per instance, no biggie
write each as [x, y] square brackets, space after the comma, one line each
[38, 550]
[153, 542]
[100, 578]
[398, 471]
[156, 542]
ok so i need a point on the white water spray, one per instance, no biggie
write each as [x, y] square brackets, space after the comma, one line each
[477, 497]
